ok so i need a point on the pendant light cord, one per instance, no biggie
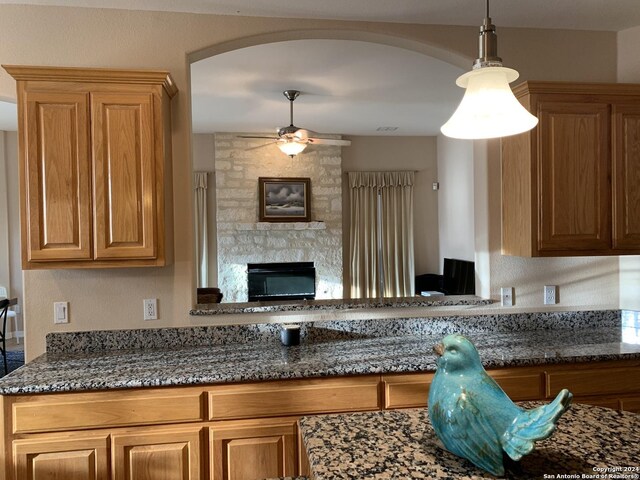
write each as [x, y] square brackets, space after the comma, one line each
[487, 11]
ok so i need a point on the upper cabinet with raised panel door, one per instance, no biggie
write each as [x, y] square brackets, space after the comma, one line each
[95, 167]
[571, 186]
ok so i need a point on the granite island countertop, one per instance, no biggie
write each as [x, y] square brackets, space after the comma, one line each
[589, 442]
[321, 354]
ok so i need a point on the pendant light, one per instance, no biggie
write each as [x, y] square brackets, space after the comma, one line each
[488, 109]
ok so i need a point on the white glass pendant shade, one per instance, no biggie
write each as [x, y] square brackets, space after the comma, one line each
[488, 109]
[291, 147]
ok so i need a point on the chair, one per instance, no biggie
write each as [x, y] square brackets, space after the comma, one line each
[4, 308]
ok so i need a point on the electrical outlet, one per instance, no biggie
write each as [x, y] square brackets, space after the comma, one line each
[61, 312]
[151, 309]
[550, 294]
[506, 296]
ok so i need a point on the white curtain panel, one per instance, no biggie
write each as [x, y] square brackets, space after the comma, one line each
[381, 246]
[201, 228]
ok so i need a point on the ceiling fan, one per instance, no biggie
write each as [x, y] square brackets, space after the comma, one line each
[292, 140]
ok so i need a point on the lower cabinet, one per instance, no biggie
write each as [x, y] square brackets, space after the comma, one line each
[157, 454]
[62, 457]
[253, 449]
[244, 431]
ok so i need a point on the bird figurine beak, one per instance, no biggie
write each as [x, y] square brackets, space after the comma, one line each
[438, 349]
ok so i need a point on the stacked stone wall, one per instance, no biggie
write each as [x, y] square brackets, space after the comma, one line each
[241, 239]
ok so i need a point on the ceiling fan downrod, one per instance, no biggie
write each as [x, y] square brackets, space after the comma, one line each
[291, 96]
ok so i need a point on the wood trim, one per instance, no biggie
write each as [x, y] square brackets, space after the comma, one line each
[576, 88]
[294, 397]
[98, 75]
[74, 411]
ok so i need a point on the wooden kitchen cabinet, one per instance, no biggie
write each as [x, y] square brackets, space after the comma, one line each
[253, 449]
[168, 453]
[69, 457]
[570, 185]
[95, 167]
[240, 431]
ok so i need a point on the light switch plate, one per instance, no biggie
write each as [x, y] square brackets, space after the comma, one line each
[61, 312]
[506, 296]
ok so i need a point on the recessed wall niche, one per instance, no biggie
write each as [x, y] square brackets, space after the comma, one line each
[241, 240]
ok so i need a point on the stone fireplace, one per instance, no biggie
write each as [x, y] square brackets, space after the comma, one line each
[243, 240]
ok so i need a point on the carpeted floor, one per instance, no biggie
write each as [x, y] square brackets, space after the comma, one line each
[15, 359]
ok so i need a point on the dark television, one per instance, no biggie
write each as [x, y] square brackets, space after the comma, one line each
[458, 278]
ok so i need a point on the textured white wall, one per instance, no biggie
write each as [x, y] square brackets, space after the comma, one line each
[628, 58]
[456, 199]
[111, 299]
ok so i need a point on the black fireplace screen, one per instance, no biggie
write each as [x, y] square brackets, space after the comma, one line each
[281, 281]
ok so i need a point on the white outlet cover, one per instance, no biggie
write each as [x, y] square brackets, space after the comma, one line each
[150, 308]
[550, 295]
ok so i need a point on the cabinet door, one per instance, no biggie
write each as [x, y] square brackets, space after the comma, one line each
[626, 177]
[56, 203]
[153, 454]
[253, 449]
[62, 458]
[574, 187]
[124, 175]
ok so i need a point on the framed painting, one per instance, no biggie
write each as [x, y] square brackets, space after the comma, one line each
[284, 199]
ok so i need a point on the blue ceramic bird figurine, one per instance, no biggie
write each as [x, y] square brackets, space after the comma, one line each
[475, 419]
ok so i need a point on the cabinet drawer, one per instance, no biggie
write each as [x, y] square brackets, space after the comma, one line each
[412, 390]
[405, 391]
[606, 402]
[293, 397]
[520, 384]
[596, 381]
[631, 404]
[71, 411]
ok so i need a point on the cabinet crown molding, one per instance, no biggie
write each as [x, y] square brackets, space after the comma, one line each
[97, 75]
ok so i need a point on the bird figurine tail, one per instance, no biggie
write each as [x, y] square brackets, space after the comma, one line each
[533, 425]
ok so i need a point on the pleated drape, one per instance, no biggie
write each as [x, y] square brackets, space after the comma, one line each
[201, 228]
[381, 247]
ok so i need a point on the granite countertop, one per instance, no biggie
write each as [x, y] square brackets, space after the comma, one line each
[320, 354]
[402, 444]
[338, 304]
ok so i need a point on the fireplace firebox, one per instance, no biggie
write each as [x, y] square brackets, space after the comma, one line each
[281, 281]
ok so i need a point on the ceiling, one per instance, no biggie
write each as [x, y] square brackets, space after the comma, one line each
[611, 15]
[348, 87]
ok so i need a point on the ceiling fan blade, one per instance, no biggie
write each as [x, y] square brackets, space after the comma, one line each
[263, 145]
[329, 141]
[256, 136]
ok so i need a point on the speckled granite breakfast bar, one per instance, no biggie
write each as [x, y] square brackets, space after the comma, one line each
[81, 361]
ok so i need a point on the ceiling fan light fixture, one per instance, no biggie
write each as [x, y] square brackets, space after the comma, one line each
[489, 108]
[291, 147]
